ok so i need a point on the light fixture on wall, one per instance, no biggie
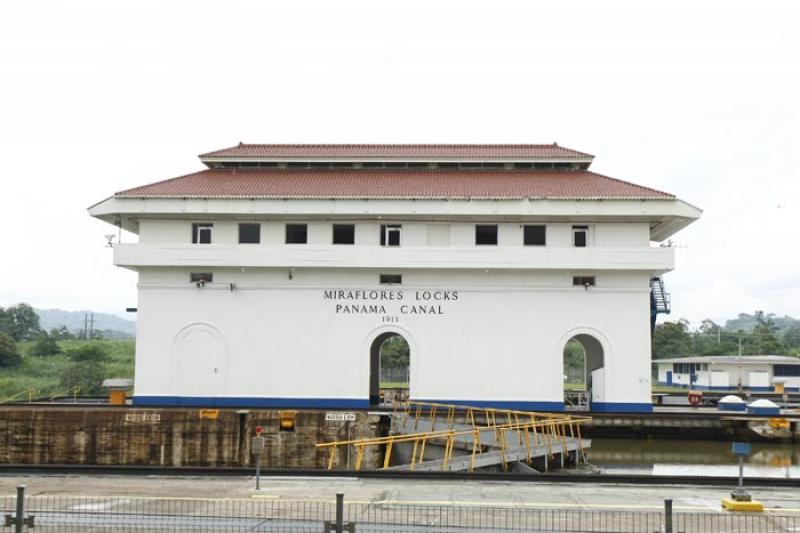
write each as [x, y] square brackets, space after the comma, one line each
[291, 273]
[109, 238]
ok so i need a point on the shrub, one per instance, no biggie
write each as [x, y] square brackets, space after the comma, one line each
[9, 354]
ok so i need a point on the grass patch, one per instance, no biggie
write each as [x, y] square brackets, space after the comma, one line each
[44, 373]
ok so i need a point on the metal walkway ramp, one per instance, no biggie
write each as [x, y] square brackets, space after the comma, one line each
[443, 437]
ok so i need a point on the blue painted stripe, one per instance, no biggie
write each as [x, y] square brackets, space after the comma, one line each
[721, 388]
[502, 404]
[621, 407]
[209, 401]
[763, 410]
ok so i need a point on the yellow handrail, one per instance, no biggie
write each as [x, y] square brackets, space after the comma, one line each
[74, 390]
[549, 426]
[30, 391]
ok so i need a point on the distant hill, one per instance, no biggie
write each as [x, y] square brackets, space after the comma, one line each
[746, 322]
[73, 321]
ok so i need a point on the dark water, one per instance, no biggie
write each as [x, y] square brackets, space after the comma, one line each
[692, 458]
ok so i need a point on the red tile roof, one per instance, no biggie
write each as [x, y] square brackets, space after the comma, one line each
[378, 183]
[398, 151]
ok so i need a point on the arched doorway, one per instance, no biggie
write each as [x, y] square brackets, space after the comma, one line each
[389, 361]
[584, 371]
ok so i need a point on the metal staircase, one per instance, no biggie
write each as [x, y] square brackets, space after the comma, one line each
[659, 301]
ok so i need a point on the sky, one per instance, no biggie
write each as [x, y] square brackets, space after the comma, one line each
[698, 98]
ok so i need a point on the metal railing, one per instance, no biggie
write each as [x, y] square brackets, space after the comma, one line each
[394, 375]
[30, 391]
[66, 514]
[473, 425]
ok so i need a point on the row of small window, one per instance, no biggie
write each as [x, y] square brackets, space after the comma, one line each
[485, 234]
[688, 368]
[201, 278]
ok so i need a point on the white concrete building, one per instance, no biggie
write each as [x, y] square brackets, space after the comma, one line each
[731, 372]
[272, 277]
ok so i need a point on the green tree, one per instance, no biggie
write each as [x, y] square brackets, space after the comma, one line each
[9, 354]
[791, 339]
[86, 370]
[61, 334]
[6, 322]
[672, 339]
[395, 353]
[45, 345]
[574, 361]
[764, 339]
[19, 321]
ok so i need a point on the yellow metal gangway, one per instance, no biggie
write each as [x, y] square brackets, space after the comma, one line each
[526, 434]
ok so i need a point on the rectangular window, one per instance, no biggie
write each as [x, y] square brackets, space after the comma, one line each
[344, 234]
[580, 236]
[390, 234]
[249, 233]
[585, 281]
[534, 235]
[201, 233]
[296, 233]
[786, 370]
[485, 234]
[201, 277]
[391, 279]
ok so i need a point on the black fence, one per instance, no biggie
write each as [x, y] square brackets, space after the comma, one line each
[114, 514]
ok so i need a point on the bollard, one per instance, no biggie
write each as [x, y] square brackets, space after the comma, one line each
[667, 516]
[20, 518]
[339, 512]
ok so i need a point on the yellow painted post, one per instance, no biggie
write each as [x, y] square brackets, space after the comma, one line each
[388, 457]
[433, 418]
[448, 450]
[331, 457]
[528, 445]
[414, 453]
[502, 443]
[580, 443]
[360, 450]
[476, 446]
[422, 449]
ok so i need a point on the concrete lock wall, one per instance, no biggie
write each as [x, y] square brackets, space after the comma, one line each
[171, 437]
[490, 337]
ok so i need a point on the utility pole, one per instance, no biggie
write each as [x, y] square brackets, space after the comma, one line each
[739, 363]
[85, 325]
[91, 326]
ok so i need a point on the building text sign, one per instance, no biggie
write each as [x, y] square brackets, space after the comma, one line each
[340, 417]
[390, 302]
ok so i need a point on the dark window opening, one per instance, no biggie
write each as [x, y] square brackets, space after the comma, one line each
[391, 279]
[417, 165]
[585, 281]
[786, 370]
[448, 165]
[296, 233]
[201, 233]
[368, 164]
[494, 165]
[580, 236]
[201, 277]
[534, 235]
[526, 166]
[249, 233]
[297, 165]
[344, 234]
[486, 234]
[390, 234]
